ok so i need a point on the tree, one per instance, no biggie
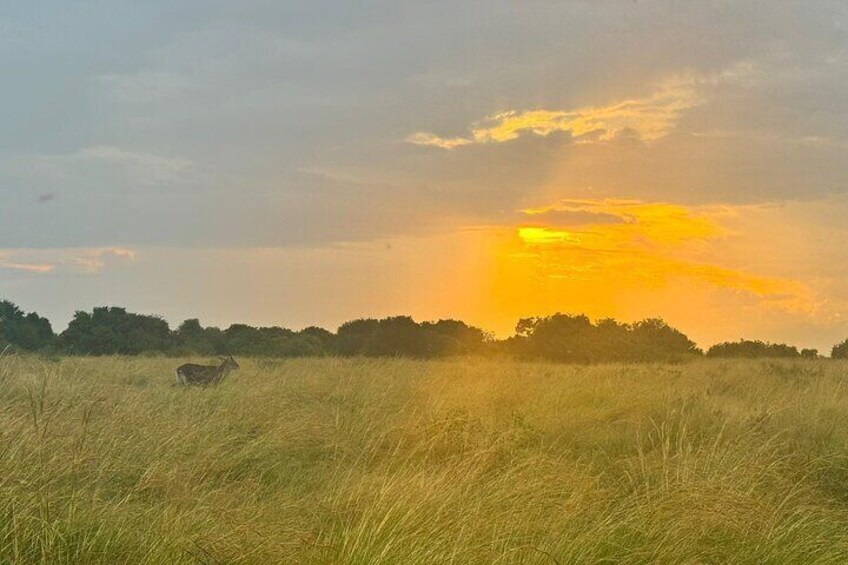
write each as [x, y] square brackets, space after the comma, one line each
[326, 337]
[810, 353]
[654, 340]
[615, 340]
[453, 337]
[353, 337]
[840, 350]
[191, 337]
[315, 339]
[563, 337]
[403, 336]
[396, 336]
[247, 340]
[113, 330]
[29, 332]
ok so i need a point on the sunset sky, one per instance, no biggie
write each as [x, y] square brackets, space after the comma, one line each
[297, 163]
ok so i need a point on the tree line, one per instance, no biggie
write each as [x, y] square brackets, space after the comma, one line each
[560, 337]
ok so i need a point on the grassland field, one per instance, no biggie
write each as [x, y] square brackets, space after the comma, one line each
[103, 460]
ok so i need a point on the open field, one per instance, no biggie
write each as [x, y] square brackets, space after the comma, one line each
[394, 461]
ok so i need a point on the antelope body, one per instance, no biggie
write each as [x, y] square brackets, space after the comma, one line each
[191, 374]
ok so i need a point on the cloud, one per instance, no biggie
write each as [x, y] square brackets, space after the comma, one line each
[25, 267]
[647, 118]
[571, 217]
[651, 245]
[105, 162]
[118, 155]
[149, 168]
[72, 260]
[145, 86]
[95, 260]
[658, 222]
[433, 140]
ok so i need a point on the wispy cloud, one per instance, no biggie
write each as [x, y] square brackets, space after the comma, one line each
[109, 153]
[138, 167]
[72, 260]
[26, 267]
[95, 260]
[647, 118]
[433, 140]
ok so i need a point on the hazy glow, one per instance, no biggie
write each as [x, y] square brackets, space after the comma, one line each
[654, 243]
[658, 222]
[536, 235]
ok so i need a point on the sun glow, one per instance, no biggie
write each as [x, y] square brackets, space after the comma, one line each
[534, 235]
[634, 250]
[651, 243]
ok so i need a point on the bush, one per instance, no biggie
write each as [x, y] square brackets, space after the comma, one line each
[748, 349]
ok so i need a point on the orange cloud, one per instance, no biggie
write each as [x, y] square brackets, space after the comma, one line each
[86, 260]
[95, 260]
[648, 118]
[28, 267]
[658, 222]
[653, 244]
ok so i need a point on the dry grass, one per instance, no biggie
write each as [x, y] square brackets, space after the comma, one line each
[393, 461]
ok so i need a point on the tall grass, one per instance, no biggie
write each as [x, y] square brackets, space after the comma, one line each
[393, 461]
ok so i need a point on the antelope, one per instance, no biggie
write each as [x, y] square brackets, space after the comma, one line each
[191, 374]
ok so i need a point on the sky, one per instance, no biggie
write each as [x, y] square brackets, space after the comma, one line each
[310, 162]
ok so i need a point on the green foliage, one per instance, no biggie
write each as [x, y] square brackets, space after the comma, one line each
[840, 350]
[191, 337]
[29, 332]
[560, 337]
[111, 330]
[454, 337]
[402, 336]
[354, 337]
[749, 349]
[569, 338]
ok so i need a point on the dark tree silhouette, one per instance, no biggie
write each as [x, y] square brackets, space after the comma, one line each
[574, 338]
[191, 337]
[454, 337]
[402, 336]
[353, 337]
[559, 337]
[655, 340]
[29, 332]
[110, 330]
[749, 349]
[840, 350]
